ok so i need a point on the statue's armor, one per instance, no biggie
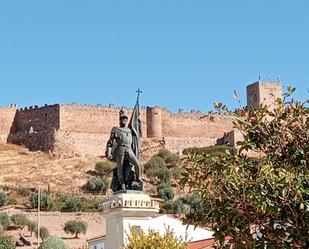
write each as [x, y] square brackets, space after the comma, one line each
[123, 137]
[123, 151]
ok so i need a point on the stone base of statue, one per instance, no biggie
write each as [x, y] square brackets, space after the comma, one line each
[126, 210]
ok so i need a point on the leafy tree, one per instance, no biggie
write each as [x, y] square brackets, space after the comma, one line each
[4, 199]
[6, 242]
[32, 226]
[259, 202]
[165, 191]
[153, 240]
[72, 204]
[53, 242]
[19, 220]
[44, 233]
[47, 202]
[4, 220]
[98, 184]
[105, 168]
[75, 227]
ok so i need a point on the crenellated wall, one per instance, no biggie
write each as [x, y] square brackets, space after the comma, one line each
[85, 129]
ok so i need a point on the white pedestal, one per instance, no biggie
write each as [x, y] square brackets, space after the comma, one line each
[124, 210]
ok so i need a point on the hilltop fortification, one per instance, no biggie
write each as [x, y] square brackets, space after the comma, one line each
[85, 129]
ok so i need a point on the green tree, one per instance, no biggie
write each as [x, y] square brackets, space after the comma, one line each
[32, 226]
[259, 202]
[19, 220]
[4, 199]
[72, 204]
[44, 233]
[47, 202]
[153, 240]
[6, 242]
[105, 168]
[75, 227]
[4, 220]
[53, 242]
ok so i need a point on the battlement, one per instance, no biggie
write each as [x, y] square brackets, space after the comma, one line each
[85, 128]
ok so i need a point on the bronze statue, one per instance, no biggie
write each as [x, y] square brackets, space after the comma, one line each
[127, 137]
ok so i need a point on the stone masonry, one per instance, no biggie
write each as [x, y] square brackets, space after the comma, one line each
[85, 129]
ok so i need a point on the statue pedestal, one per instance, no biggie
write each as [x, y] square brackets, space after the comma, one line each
[125, 210]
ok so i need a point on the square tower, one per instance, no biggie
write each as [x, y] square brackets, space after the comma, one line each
[263, 93]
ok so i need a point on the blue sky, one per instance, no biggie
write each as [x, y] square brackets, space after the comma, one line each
[182, 54]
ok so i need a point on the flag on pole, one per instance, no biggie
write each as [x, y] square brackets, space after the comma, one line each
[136, 128]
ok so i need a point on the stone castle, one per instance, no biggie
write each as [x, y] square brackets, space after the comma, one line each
[85, 129]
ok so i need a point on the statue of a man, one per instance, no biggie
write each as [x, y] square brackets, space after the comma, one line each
[124, 156]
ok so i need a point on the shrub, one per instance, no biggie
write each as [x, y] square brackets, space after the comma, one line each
[72, 204]
[173, 160]
[19, 220]
[6, 242]
[47, 201]
[25, 191]
[165, 191]
[177, 172]
[97, 184]
[75, 227]
[105, 167]
[164, 154]
[4, 220]
[4, 199]
[213, 150]
[53, 242]
[32, 227]
[174, 207]
[153, 240]
[44, 233]
[155, 167]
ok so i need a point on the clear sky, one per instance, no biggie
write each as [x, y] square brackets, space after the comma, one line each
[182, 54]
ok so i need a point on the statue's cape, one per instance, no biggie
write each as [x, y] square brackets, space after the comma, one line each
[136, 127]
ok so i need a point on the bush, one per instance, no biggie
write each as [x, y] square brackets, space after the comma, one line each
[4, 199]
[97, 184]
[153, 240]
[4, 220]
[19, 220]
[44, 233]
[53, 242]
[155, 167]
[24, 191]
[174, 207]
[6, 242]
[165, 191]
[72, 204]
[177, 172]
[164, 154]
[32, 226]
[173, 160]
[47, 201]
[75, 227]
[105, 167]
[213, 150]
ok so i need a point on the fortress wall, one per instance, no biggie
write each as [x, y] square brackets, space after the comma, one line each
[192, 130]
[7, 116]
[35, 119]
[80, 143]
[93, 119]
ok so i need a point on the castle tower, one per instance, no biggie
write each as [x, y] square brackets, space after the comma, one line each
[124, 211]
[154, 122]
[262, 92]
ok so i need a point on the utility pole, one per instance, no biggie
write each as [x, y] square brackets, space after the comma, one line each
[39, 220]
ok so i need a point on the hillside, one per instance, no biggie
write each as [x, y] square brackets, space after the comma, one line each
[20, 168]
